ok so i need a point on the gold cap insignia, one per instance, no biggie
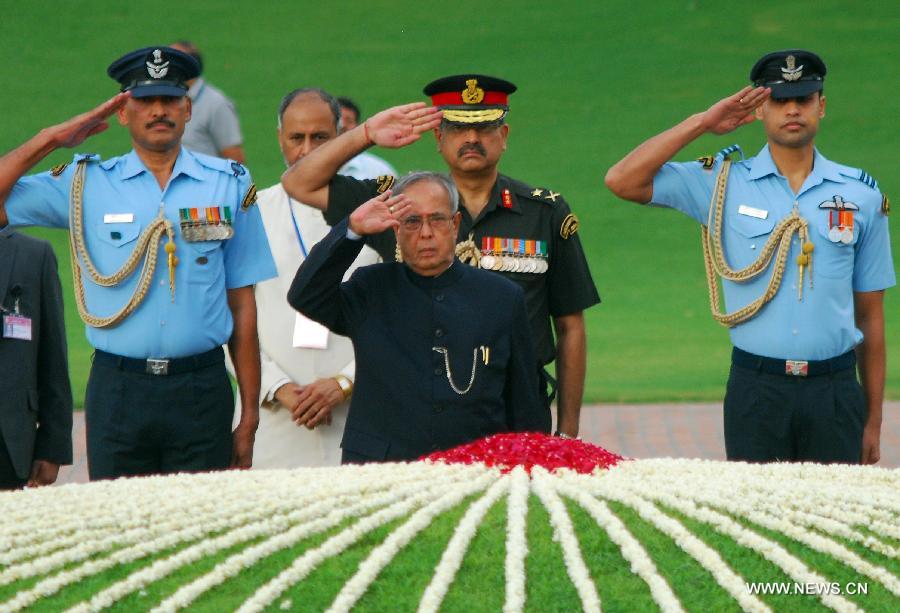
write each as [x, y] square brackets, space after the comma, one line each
[791, 72]
[472, 94]
[58, 169]
[384, 182]
[250, 198]
[885, 204]
[569, 226]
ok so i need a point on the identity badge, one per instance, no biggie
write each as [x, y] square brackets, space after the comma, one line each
[17, 326]
[309, 334]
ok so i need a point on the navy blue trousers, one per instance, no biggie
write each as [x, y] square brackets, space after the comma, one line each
[770, 418]
[140, 424]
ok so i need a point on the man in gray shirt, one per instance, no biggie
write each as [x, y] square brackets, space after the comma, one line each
[214, 128]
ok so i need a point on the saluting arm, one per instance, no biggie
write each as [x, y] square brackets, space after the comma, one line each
[307, 180]
[316, 290]
[871, 361]
[68, 134]
[631, 178]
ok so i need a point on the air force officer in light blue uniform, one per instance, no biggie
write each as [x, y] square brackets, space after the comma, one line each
[168, 244]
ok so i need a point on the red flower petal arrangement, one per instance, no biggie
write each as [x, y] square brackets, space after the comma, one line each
[529, 449]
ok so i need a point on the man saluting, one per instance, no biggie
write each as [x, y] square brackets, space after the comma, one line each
[802, 246]
[443, 350]
[166, 245]
[527, 234]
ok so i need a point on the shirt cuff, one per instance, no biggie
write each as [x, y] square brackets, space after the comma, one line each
[353, 235]
[269, 400]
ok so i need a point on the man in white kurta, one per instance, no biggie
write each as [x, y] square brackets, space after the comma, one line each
[307, 372]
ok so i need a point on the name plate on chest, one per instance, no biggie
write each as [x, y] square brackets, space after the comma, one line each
[749, 211]
[118, 218]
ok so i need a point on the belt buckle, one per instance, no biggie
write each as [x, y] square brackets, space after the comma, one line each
[796, 368]
[157, 367]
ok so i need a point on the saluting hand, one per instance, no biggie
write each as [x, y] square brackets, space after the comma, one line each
[379, 214]
[735, 111]
[75, 131]
[399, 126]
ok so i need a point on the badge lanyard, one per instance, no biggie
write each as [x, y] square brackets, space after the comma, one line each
[296, 227]
[307, 333]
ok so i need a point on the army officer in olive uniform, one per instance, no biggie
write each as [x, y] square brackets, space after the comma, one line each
[168, 245]
[527, 234]
[443, 350]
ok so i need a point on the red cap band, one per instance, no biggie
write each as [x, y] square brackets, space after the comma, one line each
[456, 99]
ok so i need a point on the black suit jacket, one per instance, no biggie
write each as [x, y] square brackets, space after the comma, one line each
[403, 405]
[35, 394]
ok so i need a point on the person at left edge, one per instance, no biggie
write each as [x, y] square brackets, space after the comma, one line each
[35, 395]
[167, 245]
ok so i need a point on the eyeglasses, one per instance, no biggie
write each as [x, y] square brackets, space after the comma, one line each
[437, 222]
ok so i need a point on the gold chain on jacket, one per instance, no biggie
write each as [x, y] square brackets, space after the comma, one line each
[777, 245]
[146, 248]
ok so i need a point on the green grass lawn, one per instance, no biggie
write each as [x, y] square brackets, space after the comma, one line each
[594, 80]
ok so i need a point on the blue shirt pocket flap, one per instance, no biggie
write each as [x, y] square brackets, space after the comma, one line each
[118, 234]
[750, 227]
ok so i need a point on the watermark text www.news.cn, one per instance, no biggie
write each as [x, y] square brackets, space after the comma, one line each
[807, 589]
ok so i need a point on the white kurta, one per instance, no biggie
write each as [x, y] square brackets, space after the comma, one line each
[279, 442]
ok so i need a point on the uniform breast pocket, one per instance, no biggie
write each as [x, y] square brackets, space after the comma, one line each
[834, 259]
[205, 262]
[117, 234]
[745, 238]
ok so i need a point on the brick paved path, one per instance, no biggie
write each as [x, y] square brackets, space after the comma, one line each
[636, 431]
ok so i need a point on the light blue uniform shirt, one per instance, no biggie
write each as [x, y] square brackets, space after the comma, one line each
[821, 326]
[199, 319]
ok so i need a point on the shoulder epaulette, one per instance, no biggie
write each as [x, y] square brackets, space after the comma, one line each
[708, 161]
[222, 165]
[86, 157]
[727, 151]
[540, 194]
[859, 175]
[867, 179]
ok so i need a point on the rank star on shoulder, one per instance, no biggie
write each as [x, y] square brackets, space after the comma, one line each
[537, 192]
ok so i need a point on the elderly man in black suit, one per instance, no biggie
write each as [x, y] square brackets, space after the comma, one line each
[35, 394]
[443, 351]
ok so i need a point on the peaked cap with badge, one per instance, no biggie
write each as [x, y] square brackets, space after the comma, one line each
[154, 71]
[471, 98]
[791, 74]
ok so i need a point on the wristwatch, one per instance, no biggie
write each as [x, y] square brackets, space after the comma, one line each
[345, 384]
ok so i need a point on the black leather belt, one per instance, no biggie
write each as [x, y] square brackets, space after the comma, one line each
[793, 368]
[161, 366]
